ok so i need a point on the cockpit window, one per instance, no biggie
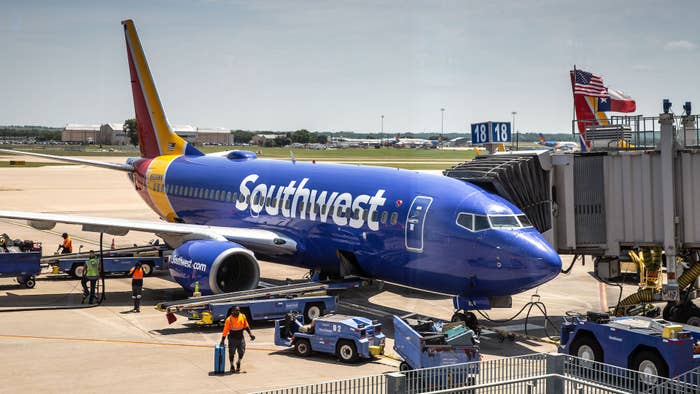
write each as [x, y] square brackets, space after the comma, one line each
[524, 221]
[474, 222]
[466, 220]
[504, 221]
[481, 222]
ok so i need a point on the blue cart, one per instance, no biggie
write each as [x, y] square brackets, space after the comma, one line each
[22, 265]
[423, 343]
[348, 337]
[653, 346]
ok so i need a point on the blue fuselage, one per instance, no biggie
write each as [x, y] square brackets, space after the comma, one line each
[398, 225]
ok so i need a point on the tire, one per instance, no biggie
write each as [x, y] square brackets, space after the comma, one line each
[346, 351]
[404, 366]
[30, 283]
[77, 271]
[313, 311]
[587, 348]
[468, 318]
[649, 362]
[147, 269]
[693, 321]
[302, 347]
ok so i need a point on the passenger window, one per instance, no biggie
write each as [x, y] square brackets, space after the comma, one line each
[348, 212]
[504, 221]
[466, 220]
[394, 218]
[365, 213]
[357, 213]
[524, 221]
[339, 212]
[317, 208]
[256, 200]
[323, 209]
[217, 195]
[247, 199]
[274, 202]
[301, 207]
[206, 194]
[228, 196]
[287, 203]
[481, 222]
[385, 215]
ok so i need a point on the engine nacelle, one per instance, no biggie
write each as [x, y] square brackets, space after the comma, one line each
[219, 267]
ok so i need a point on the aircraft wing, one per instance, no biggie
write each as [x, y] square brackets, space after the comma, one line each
[74, 160]
[174, 234]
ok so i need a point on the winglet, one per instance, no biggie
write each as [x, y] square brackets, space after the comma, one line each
[155, 135]
[542, 139]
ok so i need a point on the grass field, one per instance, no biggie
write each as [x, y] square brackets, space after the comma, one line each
[429, 159]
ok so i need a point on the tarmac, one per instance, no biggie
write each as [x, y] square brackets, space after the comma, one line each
[103, 348]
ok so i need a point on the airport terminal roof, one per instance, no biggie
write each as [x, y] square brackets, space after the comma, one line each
[82, 127]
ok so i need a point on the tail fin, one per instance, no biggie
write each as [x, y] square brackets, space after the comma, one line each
[155, 136]
[542, 139]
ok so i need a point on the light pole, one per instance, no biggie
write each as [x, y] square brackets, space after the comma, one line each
[516, 134]
[381, 135]
[442, 123]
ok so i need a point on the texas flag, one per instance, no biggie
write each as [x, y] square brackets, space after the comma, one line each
[616, 101]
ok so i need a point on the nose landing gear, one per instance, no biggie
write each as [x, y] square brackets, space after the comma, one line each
[469, 319]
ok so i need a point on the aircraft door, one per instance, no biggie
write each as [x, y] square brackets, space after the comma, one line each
[415, 223]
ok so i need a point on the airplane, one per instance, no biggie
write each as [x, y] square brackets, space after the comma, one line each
[223, 212]
[559, 145]
[400, 142]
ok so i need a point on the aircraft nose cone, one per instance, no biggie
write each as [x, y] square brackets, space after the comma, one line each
[545, 263]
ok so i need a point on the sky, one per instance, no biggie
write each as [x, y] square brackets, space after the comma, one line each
[340, 66]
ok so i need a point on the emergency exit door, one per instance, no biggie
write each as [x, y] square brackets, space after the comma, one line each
[415, 223]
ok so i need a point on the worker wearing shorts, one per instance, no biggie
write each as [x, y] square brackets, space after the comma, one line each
[234, 326]
[136, 274]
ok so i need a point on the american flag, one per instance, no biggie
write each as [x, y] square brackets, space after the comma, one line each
[589, 84]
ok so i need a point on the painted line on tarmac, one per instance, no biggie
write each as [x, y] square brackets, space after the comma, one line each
[121, 342]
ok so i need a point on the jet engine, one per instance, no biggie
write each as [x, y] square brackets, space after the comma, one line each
[218, 266]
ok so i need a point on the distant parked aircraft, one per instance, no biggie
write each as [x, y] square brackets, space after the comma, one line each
[559, 145]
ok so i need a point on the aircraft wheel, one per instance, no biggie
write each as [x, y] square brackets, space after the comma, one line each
[404, 366]
[468, 318]
[30, 283]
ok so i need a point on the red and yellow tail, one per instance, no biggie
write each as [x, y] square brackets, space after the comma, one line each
[155, 136]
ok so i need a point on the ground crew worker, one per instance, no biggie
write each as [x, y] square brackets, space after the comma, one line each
[233, 328]
[90, 273]
[136, 273]
[67, 244]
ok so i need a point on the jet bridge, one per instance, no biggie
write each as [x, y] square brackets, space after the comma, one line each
[637, 188]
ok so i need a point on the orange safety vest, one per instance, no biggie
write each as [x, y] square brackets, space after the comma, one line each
[68, 245]
[235, 324]
[137, 273]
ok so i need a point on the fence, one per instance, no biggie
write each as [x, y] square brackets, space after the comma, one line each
[533, 374]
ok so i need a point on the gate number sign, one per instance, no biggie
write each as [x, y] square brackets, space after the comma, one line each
[490, 132]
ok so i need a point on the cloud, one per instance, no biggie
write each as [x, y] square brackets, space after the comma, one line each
[680, 45]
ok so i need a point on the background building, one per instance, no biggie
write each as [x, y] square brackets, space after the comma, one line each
[80, 133]
[218, 136]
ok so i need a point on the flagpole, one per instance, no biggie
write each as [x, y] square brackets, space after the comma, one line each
[573, 106]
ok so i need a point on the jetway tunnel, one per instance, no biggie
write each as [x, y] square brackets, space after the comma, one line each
[521, 178]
